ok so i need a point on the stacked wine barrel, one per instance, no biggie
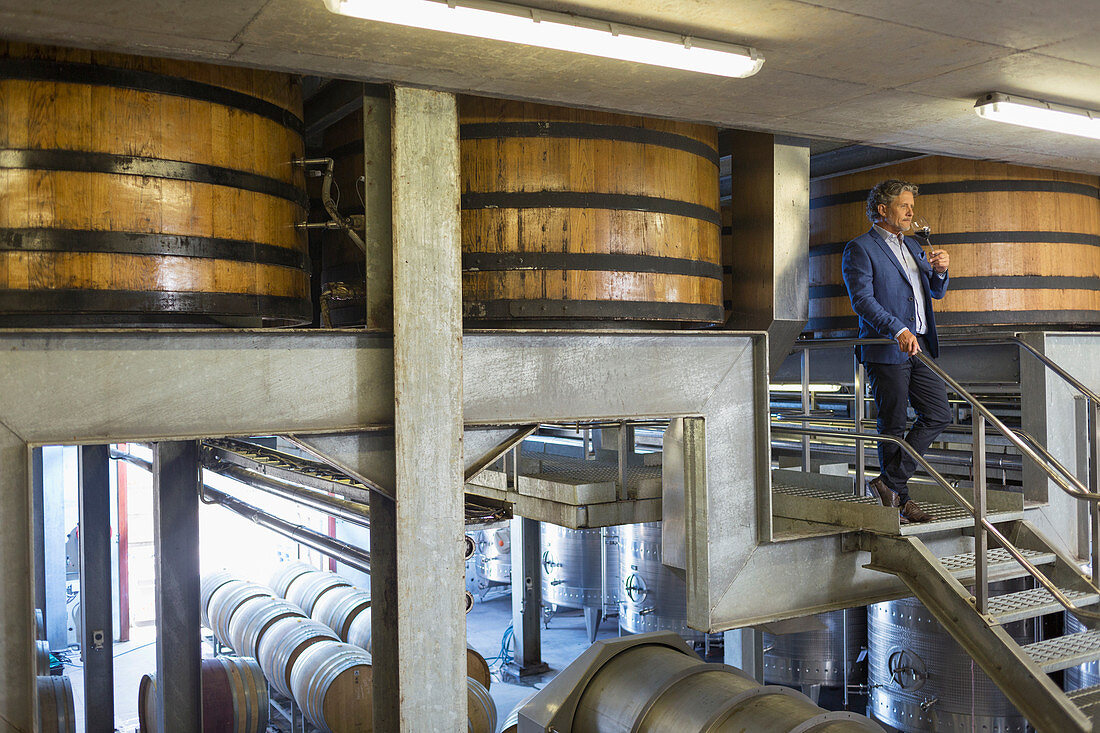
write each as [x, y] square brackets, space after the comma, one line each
[140, 190]
[310, 660]
[572, 216]
[56, 708]
[1024, 242]
[234, 697]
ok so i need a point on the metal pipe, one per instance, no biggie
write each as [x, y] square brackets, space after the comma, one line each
[337, 221]
[342, 551]
[944, 457]
[348, 511]
[961, 500]
[806, 406]
[981, 541]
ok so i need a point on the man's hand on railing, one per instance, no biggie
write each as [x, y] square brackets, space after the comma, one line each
[908, 343]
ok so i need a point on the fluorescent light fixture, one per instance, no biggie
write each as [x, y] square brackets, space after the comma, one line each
[1038, 114]
[530, 27]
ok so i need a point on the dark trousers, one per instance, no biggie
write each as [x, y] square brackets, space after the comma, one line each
[895, 386]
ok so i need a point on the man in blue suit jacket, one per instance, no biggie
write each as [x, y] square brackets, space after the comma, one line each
[891, 283]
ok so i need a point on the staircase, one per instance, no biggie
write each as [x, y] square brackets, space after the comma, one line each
[1020, 671]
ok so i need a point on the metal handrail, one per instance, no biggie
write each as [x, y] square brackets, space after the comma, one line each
[1067, 482]
[988, 526]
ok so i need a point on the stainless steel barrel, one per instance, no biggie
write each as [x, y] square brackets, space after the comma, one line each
[494, 555]
[652, 597]
[307, 588]
[339, 606]
[283, 643]
[580, 567]
[56, 710]
[817, 656]
[285, 574]
[922, 680]
[253, 618]
[227, 599]
[1084, 675]
[656, 684]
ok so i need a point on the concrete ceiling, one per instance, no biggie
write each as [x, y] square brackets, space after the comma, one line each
[878, 72]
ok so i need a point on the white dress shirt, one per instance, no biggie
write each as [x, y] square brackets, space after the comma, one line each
[912, 272]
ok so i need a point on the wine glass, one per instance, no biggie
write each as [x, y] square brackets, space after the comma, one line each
[921, 228]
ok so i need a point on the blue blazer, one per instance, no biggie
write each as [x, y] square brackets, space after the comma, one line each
[882, 297]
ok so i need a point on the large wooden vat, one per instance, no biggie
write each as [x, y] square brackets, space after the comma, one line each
[1024, 242]
[139, 190]
[234, 697]
[571, 215]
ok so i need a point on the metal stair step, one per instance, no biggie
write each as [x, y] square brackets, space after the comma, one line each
[1066, 651]
[1087, 700]
[1035, 602]
[999, 564]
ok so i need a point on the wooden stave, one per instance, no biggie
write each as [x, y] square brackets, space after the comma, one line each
[247, 692]
[225, 601]
[254, 617]
[211, 583]
[483, 165]
[56, 707]
[481, 710]
[983, 293]
[317, 670]
[306, 589]
[283, 643]
[42, 657]
[338, 607]
[234, 697]
[285, 574]
[99, 294]
[359, 630]
[477, 668]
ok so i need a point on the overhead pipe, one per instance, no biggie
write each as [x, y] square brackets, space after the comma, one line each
[343, 552]
[348, 511]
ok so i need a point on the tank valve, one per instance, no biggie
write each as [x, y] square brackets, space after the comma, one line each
[924, 706]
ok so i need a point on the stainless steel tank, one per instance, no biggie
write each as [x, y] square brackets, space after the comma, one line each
[817, 656]
[580, 567]
[922, 680]
[1085, 675]
[494, 555]
[652, 597]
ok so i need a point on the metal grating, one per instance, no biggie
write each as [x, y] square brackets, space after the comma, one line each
[1087, 700]
[964, 561]
[1065, 651]
[1035, 602]
[807, 493]
[579, 471]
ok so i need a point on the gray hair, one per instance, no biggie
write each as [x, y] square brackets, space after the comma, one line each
[884, 193]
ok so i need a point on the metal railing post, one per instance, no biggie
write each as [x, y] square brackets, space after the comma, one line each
[1082, 406]
[1094, 485]
[806, 407]
[859, 410]
[981, 541]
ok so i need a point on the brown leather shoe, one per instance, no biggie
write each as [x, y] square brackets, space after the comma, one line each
[885, 494]
[914, 513]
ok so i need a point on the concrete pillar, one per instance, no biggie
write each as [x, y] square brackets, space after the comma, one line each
[18, 702]
[526, 598]
[176, 476]
[427, 321]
